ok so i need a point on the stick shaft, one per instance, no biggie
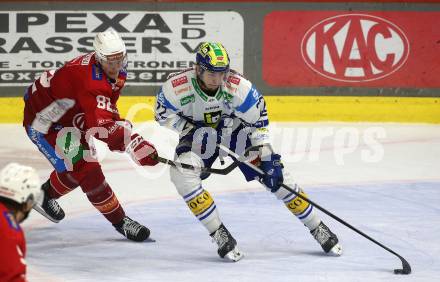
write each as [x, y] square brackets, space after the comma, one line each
[257, 169]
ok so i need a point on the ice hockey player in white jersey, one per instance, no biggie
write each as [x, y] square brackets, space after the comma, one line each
[211, 104]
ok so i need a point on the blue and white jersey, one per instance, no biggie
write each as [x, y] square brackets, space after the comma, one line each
[236, 101]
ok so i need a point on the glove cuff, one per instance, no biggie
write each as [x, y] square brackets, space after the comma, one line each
[266, 152]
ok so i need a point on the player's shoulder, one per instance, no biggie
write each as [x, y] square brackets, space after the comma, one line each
[79, 70]
[92, 78]
[178, 84]
[178, 80]
[237, 85]
[86, 67]
[80, 64]
[82, 60]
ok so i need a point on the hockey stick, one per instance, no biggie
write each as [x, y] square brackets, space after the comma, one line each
[224, 171]
[406, 268]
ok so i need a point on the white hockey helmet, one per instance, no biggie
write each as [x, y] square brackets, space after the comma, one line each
[19, 183]
[110, 48]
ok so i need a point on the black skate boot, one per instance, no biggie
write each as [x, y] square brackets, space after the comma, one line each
[227, 246]
[47, 207]
[132, 229]
[327, 239]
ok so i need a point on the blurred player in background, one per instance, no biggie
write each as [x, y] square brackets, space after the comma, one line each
[212, 103]
[64, 109]
[19, 190]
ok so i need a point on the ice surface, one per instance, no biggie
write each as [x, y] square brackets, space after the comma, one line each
[394, 199]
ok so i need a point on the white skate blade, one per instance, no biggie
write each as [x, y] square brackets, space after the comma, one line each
[43, 213]
[234, 255]
[336, 251]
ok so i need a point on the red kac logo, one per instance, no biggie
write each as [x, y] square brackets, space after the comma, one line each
[355, 48]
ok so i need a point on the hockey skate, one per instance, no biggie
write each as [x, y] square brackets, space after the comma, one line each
[47, 207]
[327, 239]
[132, 229]
[227, 246]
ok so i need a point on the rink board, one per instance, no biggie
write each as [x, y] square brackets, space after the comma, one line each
[288, 108]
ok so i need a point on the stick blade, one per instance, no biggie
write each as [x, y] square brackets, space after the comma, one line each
[406, 268]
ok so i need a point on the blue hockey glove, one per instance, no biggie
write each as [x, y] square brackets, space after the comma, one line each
[272, 168]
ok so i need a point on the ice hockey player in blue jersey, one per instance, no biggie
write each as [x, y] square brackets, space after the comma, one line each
[212, 104]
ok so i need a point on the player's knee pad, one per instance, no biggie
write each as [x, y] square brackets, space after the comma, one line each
[186, 180]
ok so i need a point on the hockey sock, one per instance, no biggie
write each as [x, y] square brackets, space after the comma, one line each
[101, 196]
[302, 209]
[203, 207]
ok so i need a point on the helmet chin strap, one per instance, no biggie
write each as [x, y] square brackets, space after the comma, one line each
[25, 215]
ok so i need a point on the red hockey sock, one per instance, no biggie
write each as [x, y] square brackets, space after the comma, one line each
[61, 184]
[102, 197]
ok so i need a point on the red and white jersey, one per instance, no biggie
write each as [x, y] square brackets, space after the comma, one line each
[12, 248]
[78, 94]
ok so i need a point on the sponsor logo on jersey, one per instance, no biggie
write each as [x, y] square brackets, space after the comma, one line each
[10, 219]
[104, 121]
[234, 80]
[212, 108]
[179, 81]
[86, 59]
[187, 100]
[213, 118]
[182, 90]
[52, 113]
[355, 48]
[113, 128]
[96, 72]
